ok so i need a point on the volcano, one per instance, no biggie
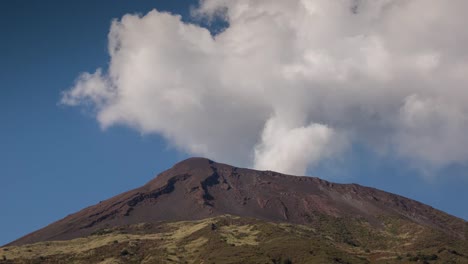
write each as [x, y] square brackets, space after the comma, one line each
[199, 188]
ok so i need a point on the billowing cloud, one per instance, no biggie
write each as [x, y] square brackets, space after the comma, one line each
[292, 150]
[290, 83]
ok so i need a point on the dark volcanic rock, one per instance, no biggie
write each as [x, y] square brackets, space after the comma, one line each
[198, 188]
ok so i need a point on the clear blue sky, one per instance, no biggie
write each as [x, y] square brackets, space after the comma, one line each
[55, 160]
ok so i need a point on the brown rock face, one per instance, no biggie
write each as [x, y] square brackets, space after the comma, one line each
[198, 188]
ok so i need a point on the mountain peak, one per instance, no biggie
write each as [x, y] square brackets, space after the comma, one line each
[197, 168]
[194, 162]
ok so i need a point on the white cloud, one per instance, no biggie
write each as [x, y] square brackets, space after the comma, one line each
[293, 149]
[290, 83]
[432, 131]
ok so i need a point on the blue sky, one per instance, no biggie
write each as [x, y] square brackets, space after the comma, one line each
[56, 159]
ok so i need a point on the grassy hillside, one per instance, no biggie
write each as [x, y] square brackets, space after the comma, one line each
[229, 239]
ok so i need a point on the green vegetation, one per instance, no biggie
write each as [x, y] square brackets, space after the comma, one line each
[229, 239]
